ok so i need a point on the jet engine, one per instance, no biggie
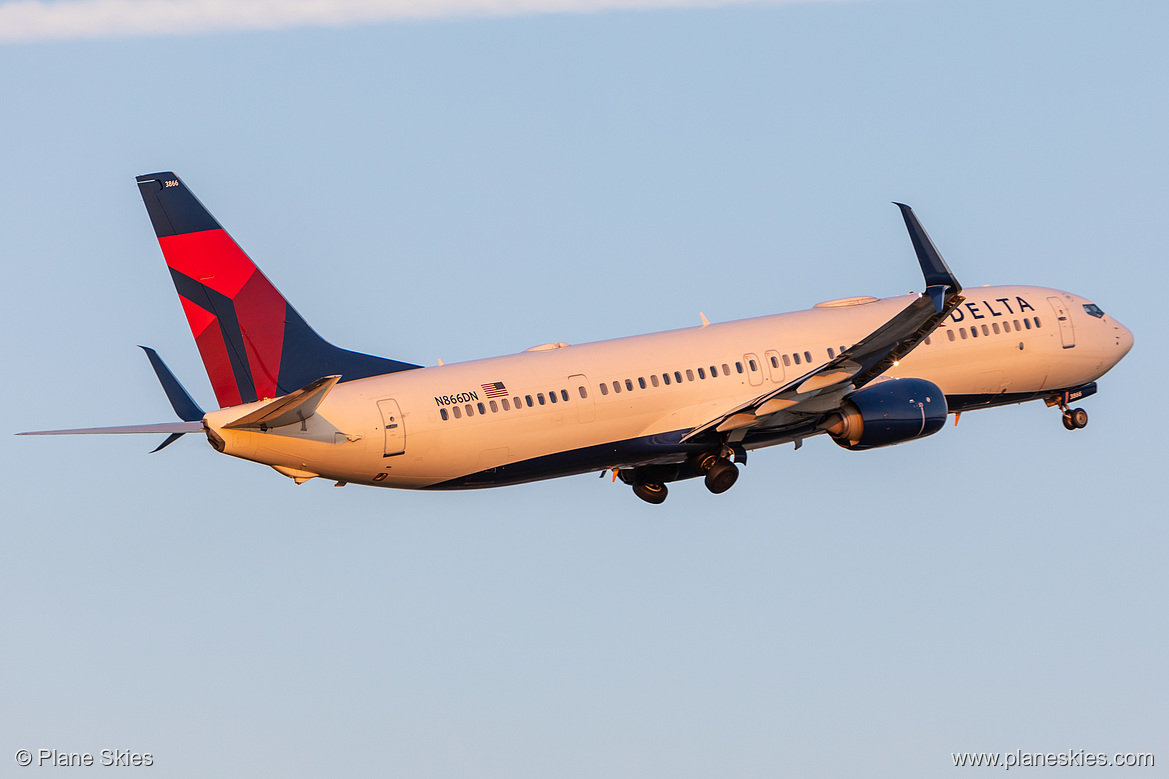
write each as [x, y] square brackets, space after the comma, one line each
[888, 413]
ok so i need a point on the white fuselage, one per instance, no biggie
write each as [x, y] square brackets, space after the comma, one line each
[627, 401]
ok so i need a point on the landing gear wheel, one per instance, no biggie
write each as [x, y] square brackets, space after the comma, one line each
[1079, 418]
[1067, 421]
[651, 492]
[702, 464]
[721, 477]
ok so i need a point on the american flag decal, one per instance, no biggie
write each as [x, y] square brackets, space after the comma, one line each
[494, 390]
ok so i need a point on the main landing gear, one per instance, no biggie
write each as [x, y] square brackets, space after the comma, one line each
[650, 492]
[716, 468]
[1075, 418]
[719, 472]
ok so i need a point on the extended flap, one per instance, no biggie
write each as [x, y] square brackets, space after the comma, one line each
[294, 407]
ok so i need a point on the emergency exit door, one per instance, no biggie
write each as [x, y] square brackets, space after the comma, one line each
[754, 369]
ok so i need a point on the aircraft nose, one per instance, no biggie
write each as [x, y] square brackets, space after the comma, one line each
[1124, 340]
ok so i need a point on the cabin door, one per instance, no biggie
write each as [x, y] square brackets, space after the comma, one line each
[392, 423]
[1067, 331]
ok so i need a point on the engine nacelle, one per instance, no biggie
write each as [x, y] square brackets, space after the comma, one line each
[891, 412]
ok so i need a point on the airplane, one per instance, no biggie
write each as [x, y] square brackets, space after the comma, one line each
[648, 409]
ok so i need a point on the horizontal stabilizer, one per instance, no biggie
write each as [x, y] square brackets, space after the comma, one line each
[165, 427]
[292, 408]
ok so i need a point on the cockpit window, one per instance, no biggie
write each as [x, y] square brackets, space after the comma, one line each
[1094, 310]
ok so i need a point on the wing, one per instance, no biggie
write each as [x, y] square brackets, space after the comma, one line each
[821, 390]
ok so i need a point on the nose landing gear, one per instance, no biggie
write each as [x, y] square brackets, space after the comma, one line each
[1075, 418]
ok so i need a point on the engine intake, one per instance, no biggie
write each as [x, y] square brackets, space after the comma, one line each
[891, 412]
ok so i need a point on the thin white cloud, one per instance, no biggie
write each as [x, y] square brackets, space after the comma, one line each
[37, 20]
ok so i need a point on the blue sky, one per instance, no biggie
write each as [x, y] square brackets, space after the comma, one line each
[466, 186]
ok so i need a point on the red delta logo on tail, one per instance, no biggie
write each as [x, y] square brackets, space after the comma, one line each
[224, 296]
[253, 343]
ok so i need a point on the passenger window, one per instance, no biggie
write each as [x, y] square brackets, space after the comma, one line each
[678, 376]
[604, 388]
[808, 357]
[506, 405]
[458, 414]
[629, 384]
[985, 330]
[616, 386]
[1038, 324]
[1017, 328]
[1006, 326]
[701, 373]
[1027, 323]
[689, 375]
[726, 369]
[973, 331]
[787, 360]
[739, 367]
[962, 332]
[796, 357]
[552, 396]
[583, 393]
[666, 378]
[442, 413]
[494, 407]
[754, 367]
[653, 379]
[950, 334]
[564, 395]
[713, 372]
[470, 410]
[528, 399]
[927, 343]
[995, 325]
[482, 408]
[832, 354]
[540, 398]
[843, 350]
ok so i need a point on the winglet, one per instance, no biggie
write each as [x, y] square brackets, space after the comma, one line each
[180, 400]
[937, 274]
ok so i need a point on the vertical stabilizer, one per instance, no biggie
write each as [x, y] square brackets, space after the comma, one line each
[253, 343]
